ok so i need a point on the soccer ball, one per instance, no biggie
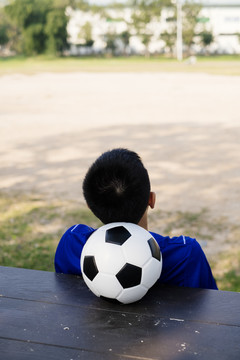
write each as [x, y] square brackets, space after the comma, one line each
[121, 261]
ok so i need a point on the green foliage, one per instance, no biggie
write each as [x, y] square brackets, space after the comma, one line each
[169, 37]
[4, 28]
[42, 24]
[190, 18]
[110, 39]
[56, 30]
[86, 34]
[144, 11]
[9, 33]
[34, 39]
[28, 12]
[190, 12]
[80, 4]
[207, 37]
[125, 36]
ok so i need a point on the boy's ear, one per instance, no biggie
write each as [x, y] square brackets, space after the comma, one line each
[152, 199]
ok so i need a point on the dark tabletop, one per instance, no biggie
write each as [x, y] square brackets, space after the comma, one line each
[44, 315]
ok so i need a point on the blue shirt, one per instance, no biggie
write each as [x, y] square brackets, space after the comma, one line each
[184, 262]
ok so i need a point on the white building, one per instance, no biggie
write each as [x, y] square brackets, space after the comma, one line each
[224, 22]
[220, 17]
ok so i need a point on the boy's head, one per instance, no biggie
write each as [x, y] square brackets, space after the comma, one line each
[117, 187]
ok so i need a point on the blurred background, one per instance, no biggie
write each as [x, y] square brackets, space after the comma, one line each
[159, 77]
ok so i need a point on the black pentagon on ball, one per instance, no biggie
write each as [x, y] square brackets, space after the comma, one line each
[129, 276]
[155, 249]
[117, 235]
[90, 267]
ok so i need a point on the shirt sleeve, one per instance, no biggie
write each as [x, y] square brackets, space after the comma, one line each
[184, 263]
[198, 272]
[68, 253]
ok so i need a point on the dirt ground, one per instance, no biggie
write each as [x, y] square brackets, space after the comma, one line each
[186, 128]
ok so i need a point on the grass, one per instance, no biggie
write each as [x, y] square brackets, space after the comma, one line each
[30, 229]
[226, 268]
[31, 226]
[224, 65]
[194, 224]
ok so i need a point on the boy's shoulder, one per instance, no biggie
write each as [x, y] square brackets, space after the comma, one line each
[68, 252]
[175, 240]
[184, 262]
[177, 250]
[80, 229]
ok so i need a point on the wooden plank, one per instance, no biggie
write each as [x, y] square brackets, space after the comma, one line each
[23, 350]
[119, 333]
[169, 302]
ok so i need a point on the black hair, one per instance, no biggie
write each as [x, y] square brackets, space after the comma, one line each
[117, 187]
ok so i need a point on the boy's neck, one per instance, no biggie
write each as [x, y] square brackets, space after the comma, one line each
[144, 222]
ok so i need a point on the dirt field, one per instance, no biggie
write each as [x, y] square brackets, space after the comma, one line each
[186, 127]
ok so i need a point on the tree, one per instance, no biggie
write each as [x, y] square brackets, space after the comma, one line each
[86, 34]
[9, 33]
[42, 24]
[190, 15]
[169, 36]
[4, 27]
[110, 39]
[206, 38]
[190, 12]
[145, 11]
[125, 37]
[34, 39]
[80, 4]
[30, 17]
[56, 31]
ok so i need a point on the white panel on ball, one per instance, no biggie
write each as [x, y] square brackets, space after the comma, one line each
[107, 285]
[94, 243]
[132, 294]
[110, 257]
[137, 250]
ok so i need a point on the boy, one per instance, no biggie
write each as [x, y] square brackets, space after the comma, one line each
[117, 189]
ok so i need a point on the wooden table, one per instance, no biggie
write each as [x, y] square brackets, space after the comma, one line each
[45, 315]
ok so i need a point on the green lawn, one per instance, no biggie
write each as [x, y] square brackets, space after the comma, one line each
[31, 226]
[223, 65]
